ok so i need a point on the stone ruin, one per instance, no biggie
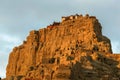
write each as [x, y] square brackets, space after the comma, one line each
[72, 17]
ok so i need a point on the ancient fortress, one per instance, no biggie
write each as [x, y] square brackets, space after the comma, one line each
[72, 17]
[73, 49]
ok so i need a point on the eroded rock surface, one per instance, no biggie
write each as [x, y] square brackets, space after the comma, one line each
[73, 49]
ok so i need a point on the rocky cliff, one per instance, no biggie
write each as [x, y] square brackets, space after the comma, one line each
[73, 49]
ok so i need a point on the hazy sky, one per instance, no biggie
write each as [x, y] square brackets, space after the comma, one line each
[18, 17]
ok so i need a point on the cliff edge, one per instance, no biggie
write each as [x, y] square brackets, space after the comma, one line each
[73, 49]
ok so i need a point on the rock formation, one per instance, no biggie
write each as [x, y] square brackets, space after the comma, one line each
[73, 49]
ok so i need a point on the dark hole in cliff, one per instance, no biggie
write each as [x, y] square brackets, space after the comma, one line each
[31, 68]
[72, 52]
[58, 60]
[95, 48]
[77, 46]
[103, 50]
[52, 60]
[57, 50]
[70, 58]
[19, 77]
[99, 59]
[68, 48]
[42, 72]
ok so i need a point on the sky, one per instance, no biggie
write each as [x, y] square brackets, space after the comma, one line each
[18, 17]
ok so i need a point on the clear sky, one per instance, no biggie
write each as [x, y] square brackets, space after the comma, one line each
[18, 17]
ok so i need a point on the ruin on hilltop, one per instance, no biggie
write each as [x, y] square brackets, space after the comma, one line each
[73, 49]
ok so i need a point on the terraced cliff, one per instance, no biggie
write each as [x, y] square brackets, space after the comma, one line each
[73, 49]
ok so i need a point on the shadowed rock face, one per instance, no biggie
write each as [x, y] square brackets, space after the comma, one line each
[73, 49]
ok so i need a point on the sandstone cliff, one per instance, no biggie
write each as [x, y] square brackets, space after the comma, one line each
[73, 49]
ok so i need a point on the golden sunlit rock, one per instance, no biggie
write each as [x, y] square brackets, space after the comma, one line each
[73, 49]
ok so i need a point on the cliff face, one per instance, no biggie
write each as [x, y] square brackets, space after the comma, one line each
[73, 49]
